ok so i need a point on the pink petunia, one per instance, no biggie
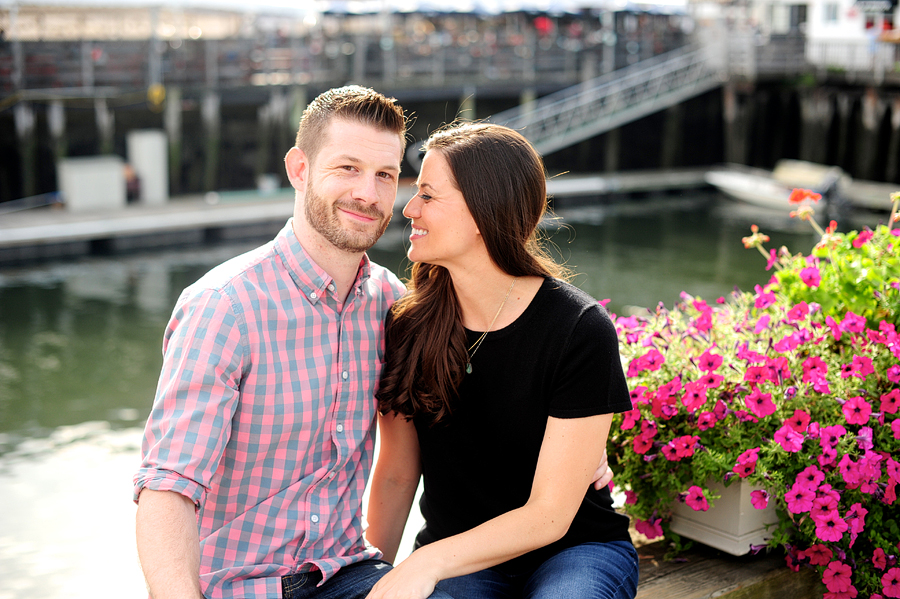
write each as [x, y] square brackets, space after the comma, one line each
[798, 312]
[890, 402]
[760, 499]
[760, 404]
[694, 397]
[862, 366]
[818, 554]
[895, 428]
[773, 259]
[788, 343]
[837, 577]
[835, 327]
[893, 373]
[762, 324]
[709, 362]
[799, 499]
[710, 380]
[706, 420]
[857, 410]
[830, 527]
[811, 276]
[856, 518]
[830, 436]
[879, 558]
[862, 238]
[696, 499]
[812, 366]
[746, 463]
[764, 299]
[853, 323]
[890, 583]
[651, 529]
[799, 421]
[810, 477]
[790, 440]
[630, 419]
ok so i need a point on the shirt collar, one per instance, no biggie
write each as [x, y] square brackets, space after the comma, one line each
[309, 277]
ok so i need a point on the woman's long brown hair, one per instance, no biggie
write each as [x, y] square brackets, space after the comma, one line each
[503, 181]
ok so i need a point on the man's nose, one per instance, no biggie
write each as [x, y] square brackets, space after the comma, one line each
[366, 189]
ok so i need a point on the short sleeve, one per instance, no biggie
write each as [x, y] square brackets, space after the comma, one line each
[589, 379]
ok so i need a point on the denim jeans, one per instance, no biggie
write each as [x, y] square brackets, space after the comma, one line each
[586, 571]
[352, 582]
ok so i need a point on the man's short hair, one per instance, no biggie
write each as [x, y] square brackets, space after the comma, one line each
[352, 103]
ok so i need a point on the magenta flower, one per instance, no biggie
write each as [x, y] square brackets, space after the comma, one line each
[862, 366]
[706, 420]
[642, 444]
[822, 506]
[814, 366]
[835, 327]
[764, 298]
[651, 529]
[849, 471]
[637, 395]
[890, 402]
[790, 440]
[853, 323]
[811, 276]
[760, 499]
[773, 259]
[746, 463]
[694, 396]
[830, 526]
[708, 361]
[856, 517]
[837, 577]
[798, 312]
[788, 343]
[862, 238]
[857, 410]
[830, 436]
[799, 421]
[760, 404]
[696, 499]
[762, 324]
[893, 373]
[895, 428]
[865, 438]
[799, 499]
[850, 593]
[879, 559]
[710, 380]
[630, 419]
[890, 582]
[818, 554]
[810, 477]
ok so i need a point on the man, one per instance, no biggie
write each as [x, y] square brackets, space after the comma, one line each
[261, 433]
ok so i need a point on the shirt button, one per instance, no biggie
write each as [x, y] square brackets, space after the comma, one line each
[313, 295]
[330, 287]
[314, 518]
[340, 428]
[345, 375]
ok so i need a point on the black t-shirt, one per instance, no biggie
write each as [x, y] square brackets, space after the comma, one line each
[560, 358]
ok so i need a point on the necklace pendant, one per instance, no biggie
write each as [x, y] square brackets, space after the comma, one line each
[468, 368]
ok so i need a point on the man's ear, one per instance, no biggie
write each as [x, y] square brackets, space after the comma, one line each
[296, 164]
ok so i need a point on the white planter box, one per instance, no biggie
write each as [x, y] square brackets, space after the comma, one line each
[732, 525]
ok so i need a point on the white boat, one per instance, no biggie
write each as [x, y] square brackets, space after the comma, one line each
[772, 189]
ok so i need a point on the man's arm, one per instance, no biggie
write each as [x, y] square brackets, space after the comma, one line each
[168, 544]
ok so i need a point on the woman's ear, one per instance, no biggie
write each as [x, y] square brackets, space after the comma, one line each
[296, 164]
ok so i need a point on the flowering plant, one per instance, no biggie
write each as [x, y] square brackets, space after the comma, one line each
[795, 388]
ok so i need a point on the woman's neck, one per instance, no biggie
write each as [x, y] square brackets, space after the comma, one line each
[491, 299]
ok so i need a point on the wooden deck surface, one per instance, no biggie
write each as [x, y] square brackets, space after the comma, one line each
[706, 573]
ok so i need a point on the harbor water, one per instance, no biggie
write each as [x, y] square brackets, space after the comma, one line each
[80, 356]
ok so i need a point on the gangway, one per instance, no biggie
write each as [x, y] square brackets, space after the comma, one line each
[588, 109]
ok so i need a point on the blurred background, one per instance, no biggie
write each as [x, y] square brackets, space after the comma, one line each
[141, 144]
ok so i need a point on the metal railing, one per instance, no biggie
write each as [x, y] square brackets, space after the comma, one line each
[583, 111]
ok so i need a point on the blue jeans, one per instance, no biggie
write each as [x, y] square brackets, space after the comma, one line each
[351, 582]
[586, 571]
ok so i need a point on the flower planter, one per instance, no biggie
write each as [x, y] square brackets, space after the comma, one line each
[731, 525]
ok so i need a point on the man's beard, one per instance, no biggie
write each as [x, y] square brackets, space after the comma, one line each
[326, 221]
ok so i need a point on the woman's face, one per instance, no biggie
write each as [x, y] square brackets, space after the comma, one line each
[443, 230]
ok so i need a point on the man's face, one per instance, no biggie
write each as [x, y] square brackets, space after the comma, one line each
[350, 194]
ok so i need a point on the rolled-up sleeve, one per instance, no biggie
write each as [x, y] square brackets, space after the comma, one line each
[197, 394]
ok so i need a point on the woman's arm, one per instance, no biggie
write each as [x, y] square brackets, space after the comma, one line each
[394, 483]
[570, 452]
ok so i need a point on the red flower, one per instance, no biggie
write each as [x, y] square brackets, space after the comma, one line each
[798, 196]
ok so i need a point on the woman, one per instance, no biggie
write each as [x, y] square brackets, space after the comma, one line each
[499, 388]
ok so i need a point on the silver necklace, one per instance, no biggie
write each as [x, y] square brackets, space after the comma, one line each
[471, 351]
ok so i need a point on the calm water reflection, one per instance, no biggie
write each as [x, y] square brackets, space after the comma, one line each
[80, 355]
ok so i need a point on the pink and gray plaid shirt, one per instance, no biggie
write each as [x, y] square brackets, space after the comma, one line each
[264, 415]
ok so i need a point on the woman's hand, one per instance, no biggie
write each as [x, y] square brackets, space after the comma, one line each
[414, 578]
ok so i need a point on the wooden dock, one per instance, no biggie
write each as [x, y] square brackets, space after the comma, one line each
[53, 232]
[706, 573]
